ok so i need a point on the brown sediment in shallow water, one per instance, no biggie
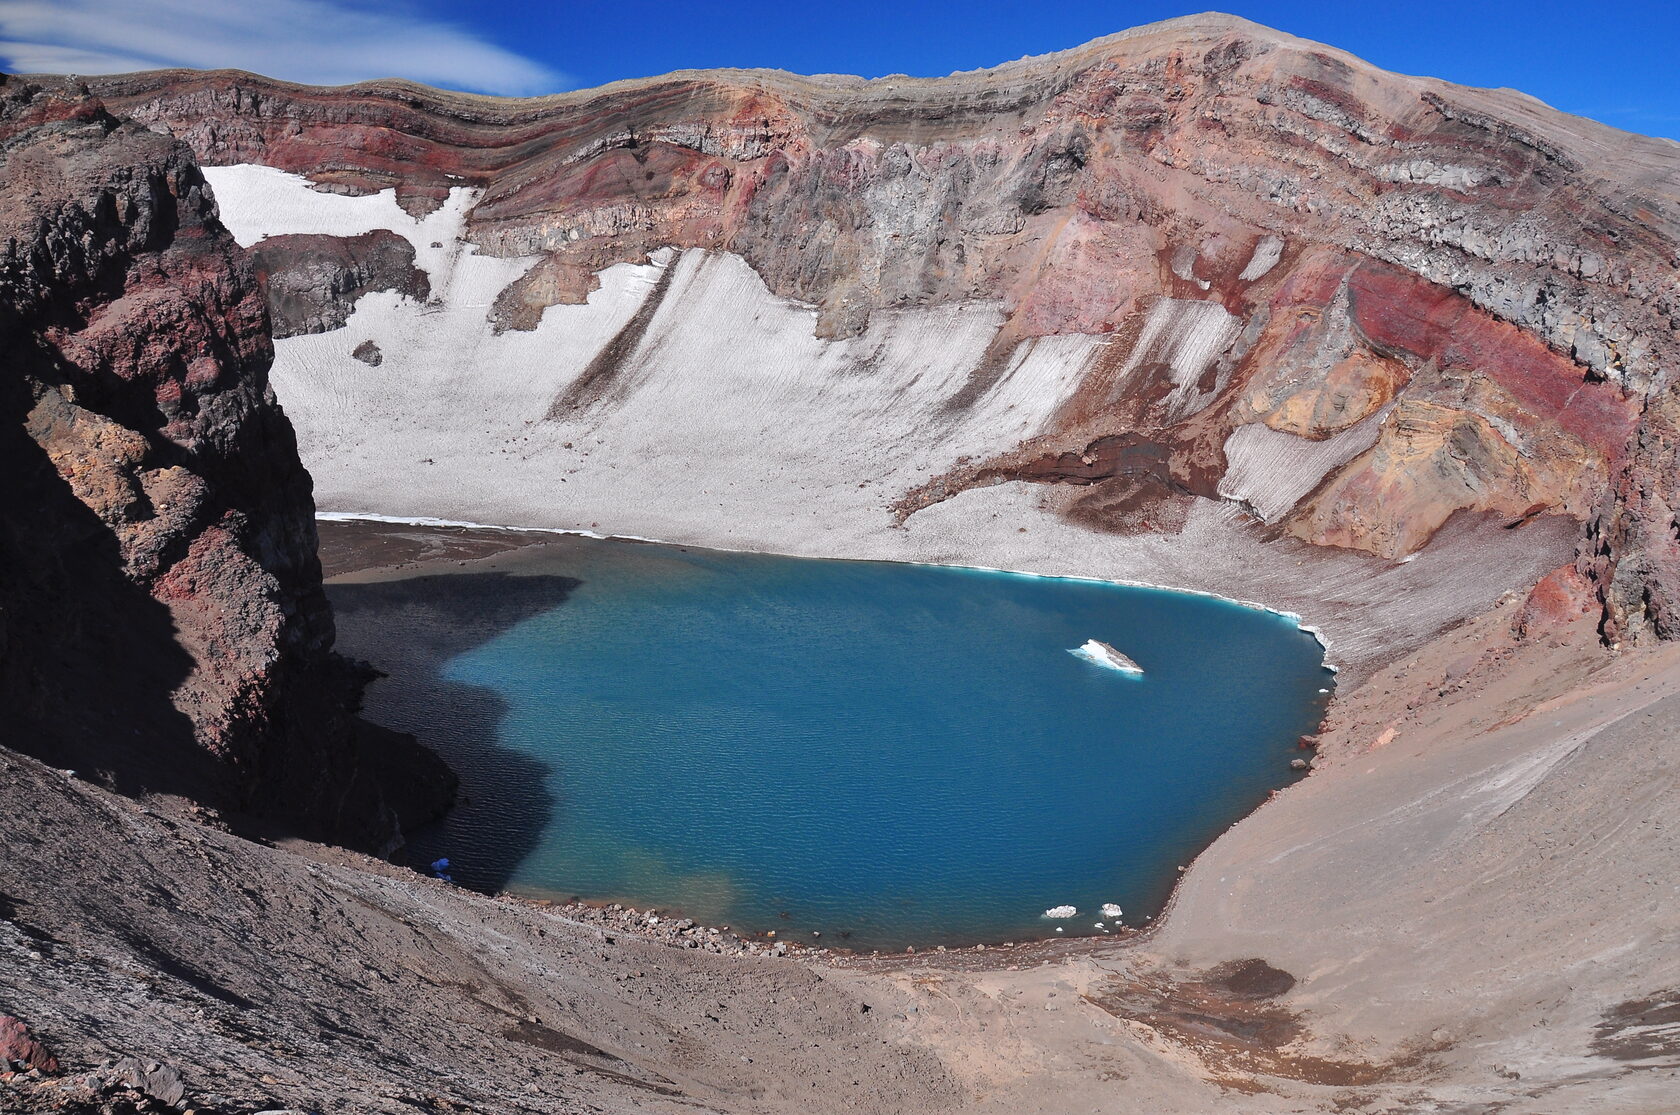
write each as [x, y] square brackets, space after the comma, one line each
[667, 925]
[352, 546]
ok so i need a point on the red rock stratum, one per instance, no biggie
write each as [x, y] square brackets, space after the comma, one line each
[1199, 304]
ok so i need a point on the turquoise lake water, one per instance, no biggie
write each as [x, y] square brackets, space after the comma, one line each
[889, 754]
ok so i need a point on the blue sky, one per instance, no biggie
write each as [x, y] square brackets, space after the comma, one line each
[1618, 61]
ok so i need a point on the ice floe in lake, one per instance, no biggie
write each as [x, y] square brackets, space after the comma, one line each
[1110, 910]
[1106, 656]
[1061, 912]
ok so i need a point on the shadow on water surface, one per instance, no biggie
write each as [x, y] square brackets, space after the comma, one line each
[411, 629]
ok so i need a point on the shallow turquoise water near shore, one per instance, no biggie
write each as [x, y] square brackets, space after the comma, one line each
[889, 754]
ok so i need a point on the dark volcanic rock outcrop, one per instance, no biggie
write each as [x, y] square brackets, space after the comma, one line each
[314, 281]
[162, 625]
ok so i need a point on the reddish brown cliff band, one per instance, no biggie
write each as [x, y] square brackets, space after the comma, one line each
[162, 625]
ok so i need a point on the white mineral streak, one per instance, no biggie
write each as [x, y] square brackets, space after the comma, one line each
[1270, 470]
[732, 425]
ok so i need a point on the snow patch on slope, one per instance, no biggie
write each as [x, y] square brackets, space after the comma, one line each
[723, 415]
[257, 202]
[728, 420]
[1266, 255]
[1270, 471]
[1187, 336]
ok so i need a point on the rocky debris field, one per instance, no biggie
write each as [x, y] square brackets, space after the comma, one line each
[684, 932]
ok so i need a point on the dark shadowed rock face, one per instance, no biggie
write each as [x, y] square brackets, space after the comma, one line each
[18, 1046]
[314, 281]
[162, 625]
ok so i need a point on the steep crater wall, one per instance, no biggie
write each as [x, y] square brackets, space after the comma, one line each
[1326, 312]
[162, 625]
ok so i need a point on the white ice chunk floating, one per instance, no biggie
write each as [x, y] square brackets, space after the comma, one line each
[1061, 912]
[1110, 910]
[1106, 656]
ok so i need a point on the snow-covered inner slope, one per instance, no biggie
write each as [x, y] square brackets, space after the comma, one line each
[726, 417]
[1270, 471]
[684, 401]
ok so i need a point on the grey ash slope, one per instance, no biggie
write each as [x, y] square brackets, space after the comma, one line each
[325, 981]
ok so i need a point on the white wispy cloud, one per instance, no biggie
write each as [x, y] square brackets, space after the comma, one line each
[320, 42]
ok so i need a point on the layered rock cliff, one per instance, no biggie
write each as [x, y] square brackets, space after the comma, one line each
[162, 625]
[1235, 267]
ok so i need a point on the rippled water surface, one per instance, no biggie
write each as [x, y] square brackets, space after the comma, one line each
[890, 754]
